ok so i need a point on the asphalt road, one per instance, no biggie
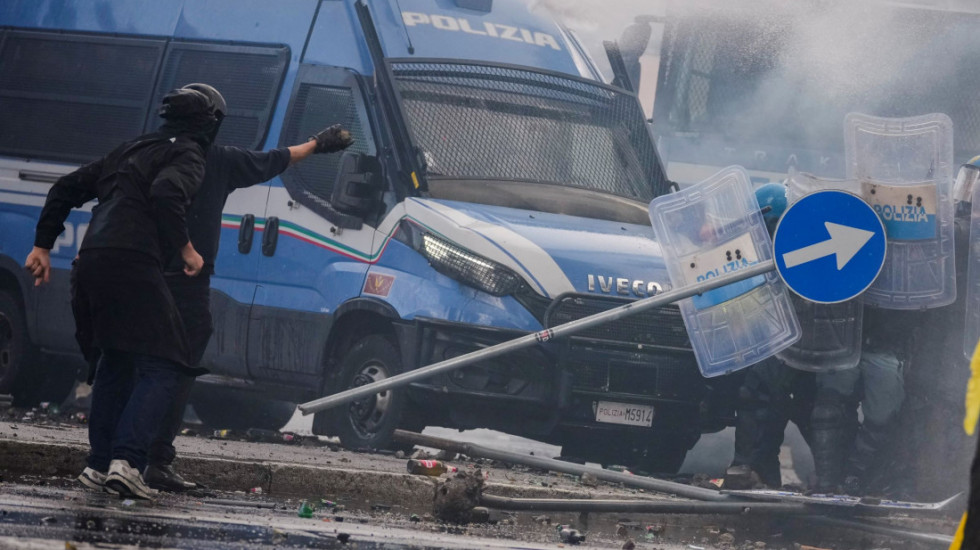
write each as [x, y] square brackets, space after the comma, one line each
[44, 508]
[48, 516]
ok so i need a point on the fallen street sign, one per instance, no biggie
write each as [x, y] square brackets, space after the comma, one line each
[829, 246]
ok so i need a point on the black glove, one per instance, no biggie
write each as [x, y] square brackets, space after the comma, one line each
[332, 139]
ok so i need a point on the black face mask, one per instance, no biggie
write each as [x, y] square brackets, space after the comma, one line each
[203, 129]
[215, 126]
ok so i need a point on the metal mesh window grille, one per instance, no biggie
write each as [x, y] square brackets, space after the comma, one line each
[73, 97]
[499, 123]
[315, 108]
[247, 76]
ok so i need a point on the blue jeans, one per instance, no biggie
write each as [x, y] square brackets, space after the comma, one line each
[131, 397]
[193, 298]
[161, 451]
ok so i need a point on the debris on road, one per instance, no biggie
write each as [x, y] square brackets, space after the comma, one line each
[432, 468]
[589, 480]
[305, 510]
[455, 498]
[569, 536]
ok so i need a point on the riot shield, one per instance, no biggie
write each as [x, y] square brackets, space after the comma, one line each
[905, 168]
[713, 228]
[971, 331]
[831, 333]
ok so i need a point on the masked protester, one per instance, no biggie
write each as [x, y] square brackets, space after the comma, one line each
[124, 314]
[228, 168]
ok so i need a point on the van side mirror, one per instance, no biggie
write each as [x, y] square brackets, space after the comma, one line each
[357, 190]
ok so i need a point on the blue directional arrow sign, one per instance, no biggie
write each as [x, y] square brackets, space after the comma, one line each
[829, 246]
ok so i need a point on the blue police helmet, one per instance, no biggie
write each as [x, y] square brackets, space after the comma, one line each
[772, 195]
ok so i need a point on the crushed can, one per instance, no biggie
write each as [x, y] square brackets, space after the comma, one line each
[433, 468]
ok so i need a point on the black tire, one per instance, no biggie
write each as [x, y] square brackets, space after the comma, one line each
[369, 422]
[21, 373]
[51, 380]
[232, 409]
[15, 345]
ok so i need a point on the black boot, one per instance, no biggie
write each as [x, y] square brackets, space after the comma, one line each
[829, 430]
[759, 430]
[164, 478]
[869, 440]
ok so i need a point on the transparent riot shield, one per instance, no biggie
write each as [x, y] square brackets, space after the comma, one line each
[830, 333]
[905, 168]
[971, 332]
[713, 228]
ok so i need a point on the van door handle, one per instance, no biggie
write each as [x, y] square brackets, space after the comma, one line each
[270, 237]
[246, 230]
[39, 176]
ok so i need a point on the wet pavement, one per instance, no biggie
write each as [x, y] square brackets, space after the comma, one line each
[381, 506]
[43, 517]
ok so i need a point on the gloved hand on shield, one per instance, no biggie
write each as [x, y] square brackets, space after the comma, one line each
[332, 139]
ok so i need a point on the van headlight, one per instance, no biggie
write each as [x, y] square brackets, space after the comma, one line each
[461, 264]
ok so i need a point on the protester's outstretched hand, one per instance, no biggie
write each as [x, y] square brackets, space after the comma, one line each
[38, 262]
[332, 139]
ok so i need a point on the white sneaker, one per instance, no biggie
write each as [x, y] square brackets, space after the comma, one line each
[127, 481]
[94, 479]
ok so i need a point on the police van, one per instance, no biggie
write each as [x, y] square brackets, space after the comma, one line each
[496, 186]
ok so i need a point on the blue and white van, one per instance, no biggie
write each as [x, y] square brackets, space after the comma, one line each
[496, 186]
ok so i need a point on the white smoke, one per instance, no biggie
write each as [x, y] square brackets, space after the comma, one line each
[823, 58]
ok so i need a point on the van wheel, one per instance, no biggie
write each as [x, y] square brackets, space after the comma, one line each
[228, 408]
[18, 356]
[369, 422]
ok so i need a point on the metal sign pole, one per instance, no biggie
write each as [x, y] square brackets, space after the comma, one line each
[528, 340]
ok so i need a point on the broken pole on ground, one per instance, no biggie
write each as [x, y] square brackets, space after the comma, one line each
[541, 336]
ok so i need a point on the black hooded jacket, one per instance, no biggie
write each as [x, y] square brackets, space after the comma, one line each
[143, 186]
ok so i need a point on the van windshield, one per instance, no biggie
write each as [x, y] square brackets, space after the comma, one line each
[489, 123]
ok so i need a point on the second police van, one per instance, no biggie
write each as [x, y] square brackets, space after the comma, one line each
[496, 186]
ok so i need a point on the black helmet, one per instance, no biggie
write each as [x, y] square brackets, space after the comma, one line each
[192, 101]
[217, 100]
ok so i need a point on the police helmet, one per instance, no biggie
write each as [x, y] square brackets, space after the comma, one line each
[773, 196]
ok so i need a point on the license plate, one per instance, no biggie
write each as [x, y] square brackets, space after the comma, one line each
[623, 413]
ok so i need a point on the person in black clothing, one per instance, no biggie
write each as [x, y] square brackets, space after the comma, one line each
[124, 312]
[227, 168]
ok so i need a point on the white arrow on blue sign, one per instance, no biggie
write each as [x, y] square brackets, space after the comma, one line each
[829, 246]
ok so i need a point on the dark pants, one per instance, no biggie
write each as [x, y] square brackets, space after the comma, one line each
[771, 395]
[193, 298]
[131, 396]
